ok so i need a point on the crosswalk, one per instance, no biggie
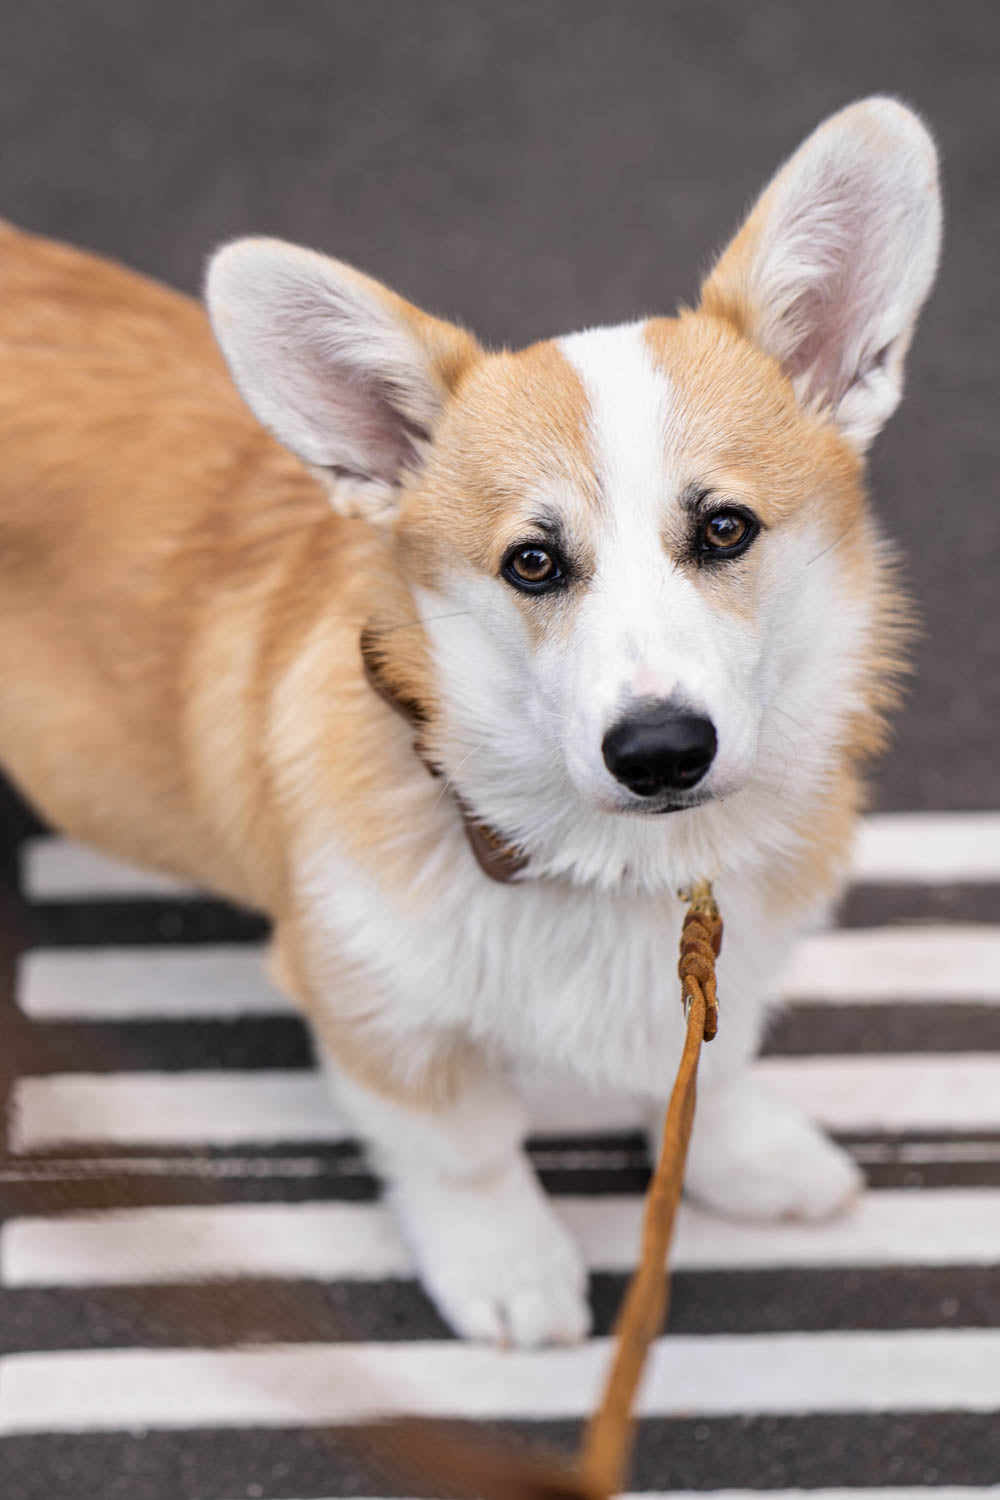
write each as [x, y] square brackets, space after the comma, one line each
[200, 1289]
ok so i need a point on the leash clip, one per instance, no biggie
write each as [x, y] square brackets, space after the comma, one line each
[700, 897]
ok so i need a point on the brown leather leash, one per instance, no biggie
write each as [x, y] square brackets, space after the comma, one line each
[607, 1443]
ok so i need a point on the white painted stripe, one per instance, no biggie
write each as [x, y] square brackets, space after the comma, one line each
[227, 1108]
[890, 1093]
[144, 984]
[928, 848]
[175, 1109]
[931, 848]
[883, 1093]
[54, 869]
[312, 1241]
[908, 963]
[359, 1241]
[922, 964]
[952, 1369]
[913, 964]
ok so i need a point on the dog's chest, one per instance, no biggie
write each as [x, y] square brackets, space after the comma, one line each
[541, 972]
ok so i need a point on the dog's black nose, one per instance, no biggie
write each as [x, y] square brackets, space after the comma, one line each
[660, 749]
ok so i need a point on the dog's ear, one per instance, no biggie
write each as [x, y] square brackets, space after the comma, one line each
[833, 264]
[345, 373]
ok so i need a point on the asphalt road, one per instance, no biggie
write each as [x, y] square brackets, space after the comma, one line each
[542, 165]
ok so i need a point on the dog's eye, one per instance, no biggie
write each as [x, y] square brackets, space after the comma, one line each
[532, 568]
[727, 533]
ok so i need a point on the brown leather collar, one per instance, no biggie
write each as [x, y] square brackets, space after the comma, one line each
[497, 856]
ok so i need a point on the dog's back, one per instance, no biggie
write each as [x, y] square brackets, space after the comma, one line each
[132, 477]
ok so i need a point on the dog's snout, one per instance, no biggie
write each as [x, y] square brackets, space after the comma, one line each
[660, 749]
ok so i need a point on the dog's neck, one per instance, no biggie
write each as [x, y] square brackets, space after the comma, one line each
[497, 857]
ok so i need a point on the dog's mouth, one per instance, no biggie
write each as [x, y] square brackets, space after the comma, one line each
[656, 807]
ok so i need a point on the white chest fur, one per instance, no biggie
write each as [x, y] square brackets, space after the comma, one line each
[540, 973]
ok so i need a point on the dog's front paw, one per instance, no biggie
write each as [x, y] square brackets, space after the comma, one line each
[752, 1157]
[495, 1259]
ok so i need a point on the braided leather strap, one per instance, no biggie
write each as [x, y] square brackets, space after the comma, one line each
[701, 942]
[608, 1440]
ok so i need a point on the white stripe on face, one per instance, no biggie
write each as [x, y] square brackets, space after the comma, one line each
[646, 631]
[630, 405]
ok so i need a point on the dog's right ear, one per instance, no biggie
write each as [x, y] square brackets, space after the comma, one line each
[345, 373]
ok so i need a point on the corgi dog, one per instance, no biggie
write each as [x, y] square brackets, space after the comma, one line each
[461, 663]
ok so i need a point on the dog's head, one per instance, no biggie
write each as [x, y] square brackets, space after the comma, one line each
[641, 554]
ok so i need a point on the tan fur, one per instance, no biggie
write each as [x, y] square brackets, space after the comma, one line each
[180, 609]
[141, 660]
[521, 429]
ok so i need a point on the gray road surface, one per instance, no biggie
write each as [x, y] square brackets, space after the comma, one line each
[537, 166]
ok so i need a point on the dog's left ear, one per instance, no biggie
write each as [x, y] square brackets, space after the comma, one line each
[344, 372]
[832, 267]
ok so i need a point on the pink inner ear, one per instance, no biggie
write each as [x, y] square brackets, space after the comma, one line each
[847, 243]
[820, 353]
[388, 439]
[358, 414]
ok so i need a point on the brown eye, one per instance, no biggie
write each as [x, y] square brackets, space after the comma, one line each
[533, 564]
[727, 533]
[532, 568]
